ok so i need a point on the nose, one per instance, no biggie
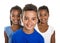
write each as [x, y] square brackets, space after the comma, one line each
[29, 21]
[43, 17]
[15, 17]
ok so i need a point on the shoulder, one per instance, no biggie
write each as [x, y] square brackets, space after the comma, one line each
[51, 30]
[6, 28]
[40, 37]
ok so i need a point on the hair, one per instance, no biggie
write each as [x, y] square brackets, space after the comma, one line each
[30, 7]
[15, 8]
[43, 8]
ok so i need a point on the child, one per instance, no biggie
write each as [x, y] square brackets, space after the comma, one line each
[15, 14]
[28, 34]
[42, 27]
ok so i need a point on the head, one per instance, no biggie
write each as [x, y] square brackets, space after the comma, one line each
[43, 14]
[15, 14]
[29, 16]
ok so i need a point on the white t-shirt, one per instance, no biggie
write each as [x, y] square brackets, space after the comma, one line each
[46, 35]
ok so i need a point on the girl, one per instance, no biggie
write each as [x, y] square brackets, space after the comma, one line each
[42, 27]
[15, 14]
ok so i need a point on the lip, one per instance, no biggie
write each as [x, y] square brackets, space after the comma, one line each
[16, 21]
[29, 26]
[43, 19]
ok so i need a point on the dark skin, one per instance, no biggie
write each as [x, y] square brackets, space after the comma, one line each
[15, 18]
[53, 38]
[43, 25]
[43, 28]
[6, 38]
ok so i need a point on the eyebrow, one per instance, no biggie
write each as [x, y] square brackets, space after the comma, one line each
[32, 17]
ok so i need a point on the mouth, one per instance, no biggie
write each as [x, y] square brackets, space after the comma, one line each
[16, 21]
[28, 25]
[43, 19]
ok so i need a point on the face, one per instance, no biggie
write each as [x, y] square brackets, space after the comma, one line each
[43, 16]
[29, 19]
[15, 17]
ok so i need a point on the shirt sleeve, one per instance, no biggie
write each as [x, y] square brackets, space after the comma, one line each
[5, 29]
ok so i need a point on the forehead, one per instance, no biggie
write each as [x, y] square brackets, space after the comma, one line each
[43, 10]
[15, 12]
[30, 13]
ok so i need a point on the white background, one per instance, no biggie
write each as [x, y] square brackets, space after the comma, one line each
[53, 5]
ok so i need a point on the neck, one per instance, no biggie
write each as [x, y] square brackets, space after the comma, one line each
[15, 27]
[43, 27]
[28, 31]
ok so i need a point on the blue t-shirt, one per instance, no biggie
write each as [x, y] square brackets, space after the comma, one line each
[21, 37]
[9, 33]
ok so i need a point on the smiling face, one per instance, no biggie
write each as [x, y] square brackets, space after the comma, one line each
[43, 16]
[15, 17]
[29, 19]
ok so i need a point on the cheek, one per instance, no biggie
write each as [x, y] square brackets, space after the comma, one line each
[34, 22]
[46, 17]
[25, 22]
[18, 18]
[11, 18]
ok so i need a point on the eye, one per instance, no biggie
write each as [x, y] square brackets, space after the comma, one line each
[33, 19]
[18, 15]
[45, 14]
[26, 18]
[40, 14]
[12, 15]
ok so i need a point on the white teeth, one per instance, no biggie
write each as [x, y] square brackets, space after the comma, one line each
[29, 25]
[16, 21]
[43, 19]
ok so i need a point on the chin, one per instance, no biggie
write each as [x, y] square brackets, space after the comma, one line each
[43, 22]
[29, 28]
[16, 23]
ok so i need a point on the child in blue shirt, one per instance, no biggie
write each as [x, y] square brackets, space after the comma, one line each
[28, 34]
[15, 13]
